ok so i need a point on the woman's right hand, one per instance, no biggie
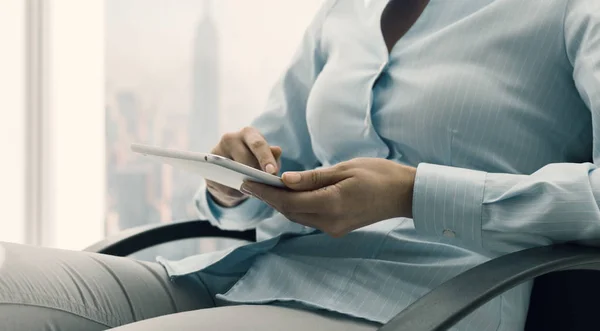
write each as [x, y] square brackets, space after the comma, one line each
[249, 147]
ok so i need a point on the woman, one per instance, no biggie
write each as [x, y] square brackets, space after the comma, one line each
[418, 139]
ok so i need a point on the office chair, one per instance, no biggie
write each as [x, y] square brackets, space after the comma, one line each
[565, 292]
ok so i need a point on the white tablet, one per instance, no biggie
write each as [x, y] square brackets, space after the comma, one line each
[212, 167]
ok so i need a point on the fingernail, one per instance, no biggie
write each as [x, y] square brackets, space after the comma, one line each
[270, 168]
[292, 177]
[246, 190]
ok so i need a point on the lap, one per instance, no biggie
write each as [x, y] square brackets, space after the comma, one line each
[53, 289]
[254, 317]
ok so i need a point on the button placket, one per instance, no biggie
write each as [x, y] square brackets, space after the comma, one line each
[369, 129]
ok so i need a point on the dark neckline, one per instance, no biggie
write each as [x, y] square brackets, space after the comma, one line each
[397, 18]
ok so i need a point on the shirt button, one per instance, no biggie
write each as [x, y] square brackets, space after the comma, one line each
[449, 233]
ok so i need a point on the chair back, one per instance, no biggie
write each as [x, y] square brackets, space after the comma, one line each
[565, 300]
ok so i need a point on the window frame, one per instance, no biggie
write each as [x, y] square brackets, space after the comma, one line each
[76, 106]
[63, 149]
[12, 121]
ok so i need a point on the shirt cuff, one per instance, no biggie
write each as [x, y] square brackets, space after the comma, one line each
[244, 216]
[447, 203]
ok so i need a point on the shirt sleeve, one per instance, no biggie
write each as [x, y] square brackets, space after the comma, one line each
[506, 212]
[283, 124]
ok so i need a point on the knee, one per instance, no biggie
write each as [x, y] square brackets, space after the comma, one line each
[38, 292]
[19, 317]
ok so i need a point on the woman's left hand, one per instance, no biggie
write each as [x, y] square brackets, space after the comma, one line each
[342, 198]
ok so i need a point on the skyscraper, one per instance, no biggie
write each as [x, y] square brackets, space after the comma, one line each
[131, 181]
[204, 115]
[203, 123]
[127, 104]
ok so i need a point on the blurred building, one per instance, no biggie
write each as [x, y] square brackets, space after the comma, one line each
[127, 105]
[183, 184]
[134, 196]
[133, 184]
[140, 191]
[204, 115]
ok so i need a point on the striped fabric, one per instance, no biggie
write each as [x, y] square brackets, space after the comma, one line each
[498, 104]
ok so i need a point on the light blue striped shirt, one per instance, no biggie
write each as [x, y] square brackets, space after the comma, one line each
[498, 104]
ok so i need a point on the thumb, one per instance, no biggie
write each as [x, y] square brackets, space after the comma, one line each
[312, 179]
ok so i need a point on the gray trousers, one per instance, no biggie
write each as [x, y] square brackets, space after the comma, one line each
[57, 290]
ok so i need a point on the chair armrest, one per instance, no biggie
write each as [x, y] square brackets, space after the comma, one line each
[447, 304]
[135, 239]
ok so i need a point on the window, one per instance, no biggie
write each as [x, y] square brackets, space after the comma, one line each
[52, 122]
[12, 120]
[179, 74]
[64, 205]
[76, 128]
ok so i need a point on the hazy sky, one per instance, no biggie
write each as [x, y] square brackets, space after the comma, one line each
[149, 50]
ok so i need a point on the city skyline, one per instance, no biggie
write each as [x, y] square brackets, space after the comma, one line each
[203, 126]
[149, 50]
[179, 74]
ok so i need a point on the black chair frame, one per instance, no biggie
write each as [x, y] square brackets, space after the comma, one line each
[447, 304]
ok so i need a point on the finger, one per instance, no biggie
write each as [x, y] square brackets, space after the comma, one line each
[261, 151]
[240, 153]
[218, 191]
[219, 150]
[276, 150]
[326, 200]
[223, 192]
[223, 195]
[237, 151]
[233, 148]
[313, 179]
[227, 140]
